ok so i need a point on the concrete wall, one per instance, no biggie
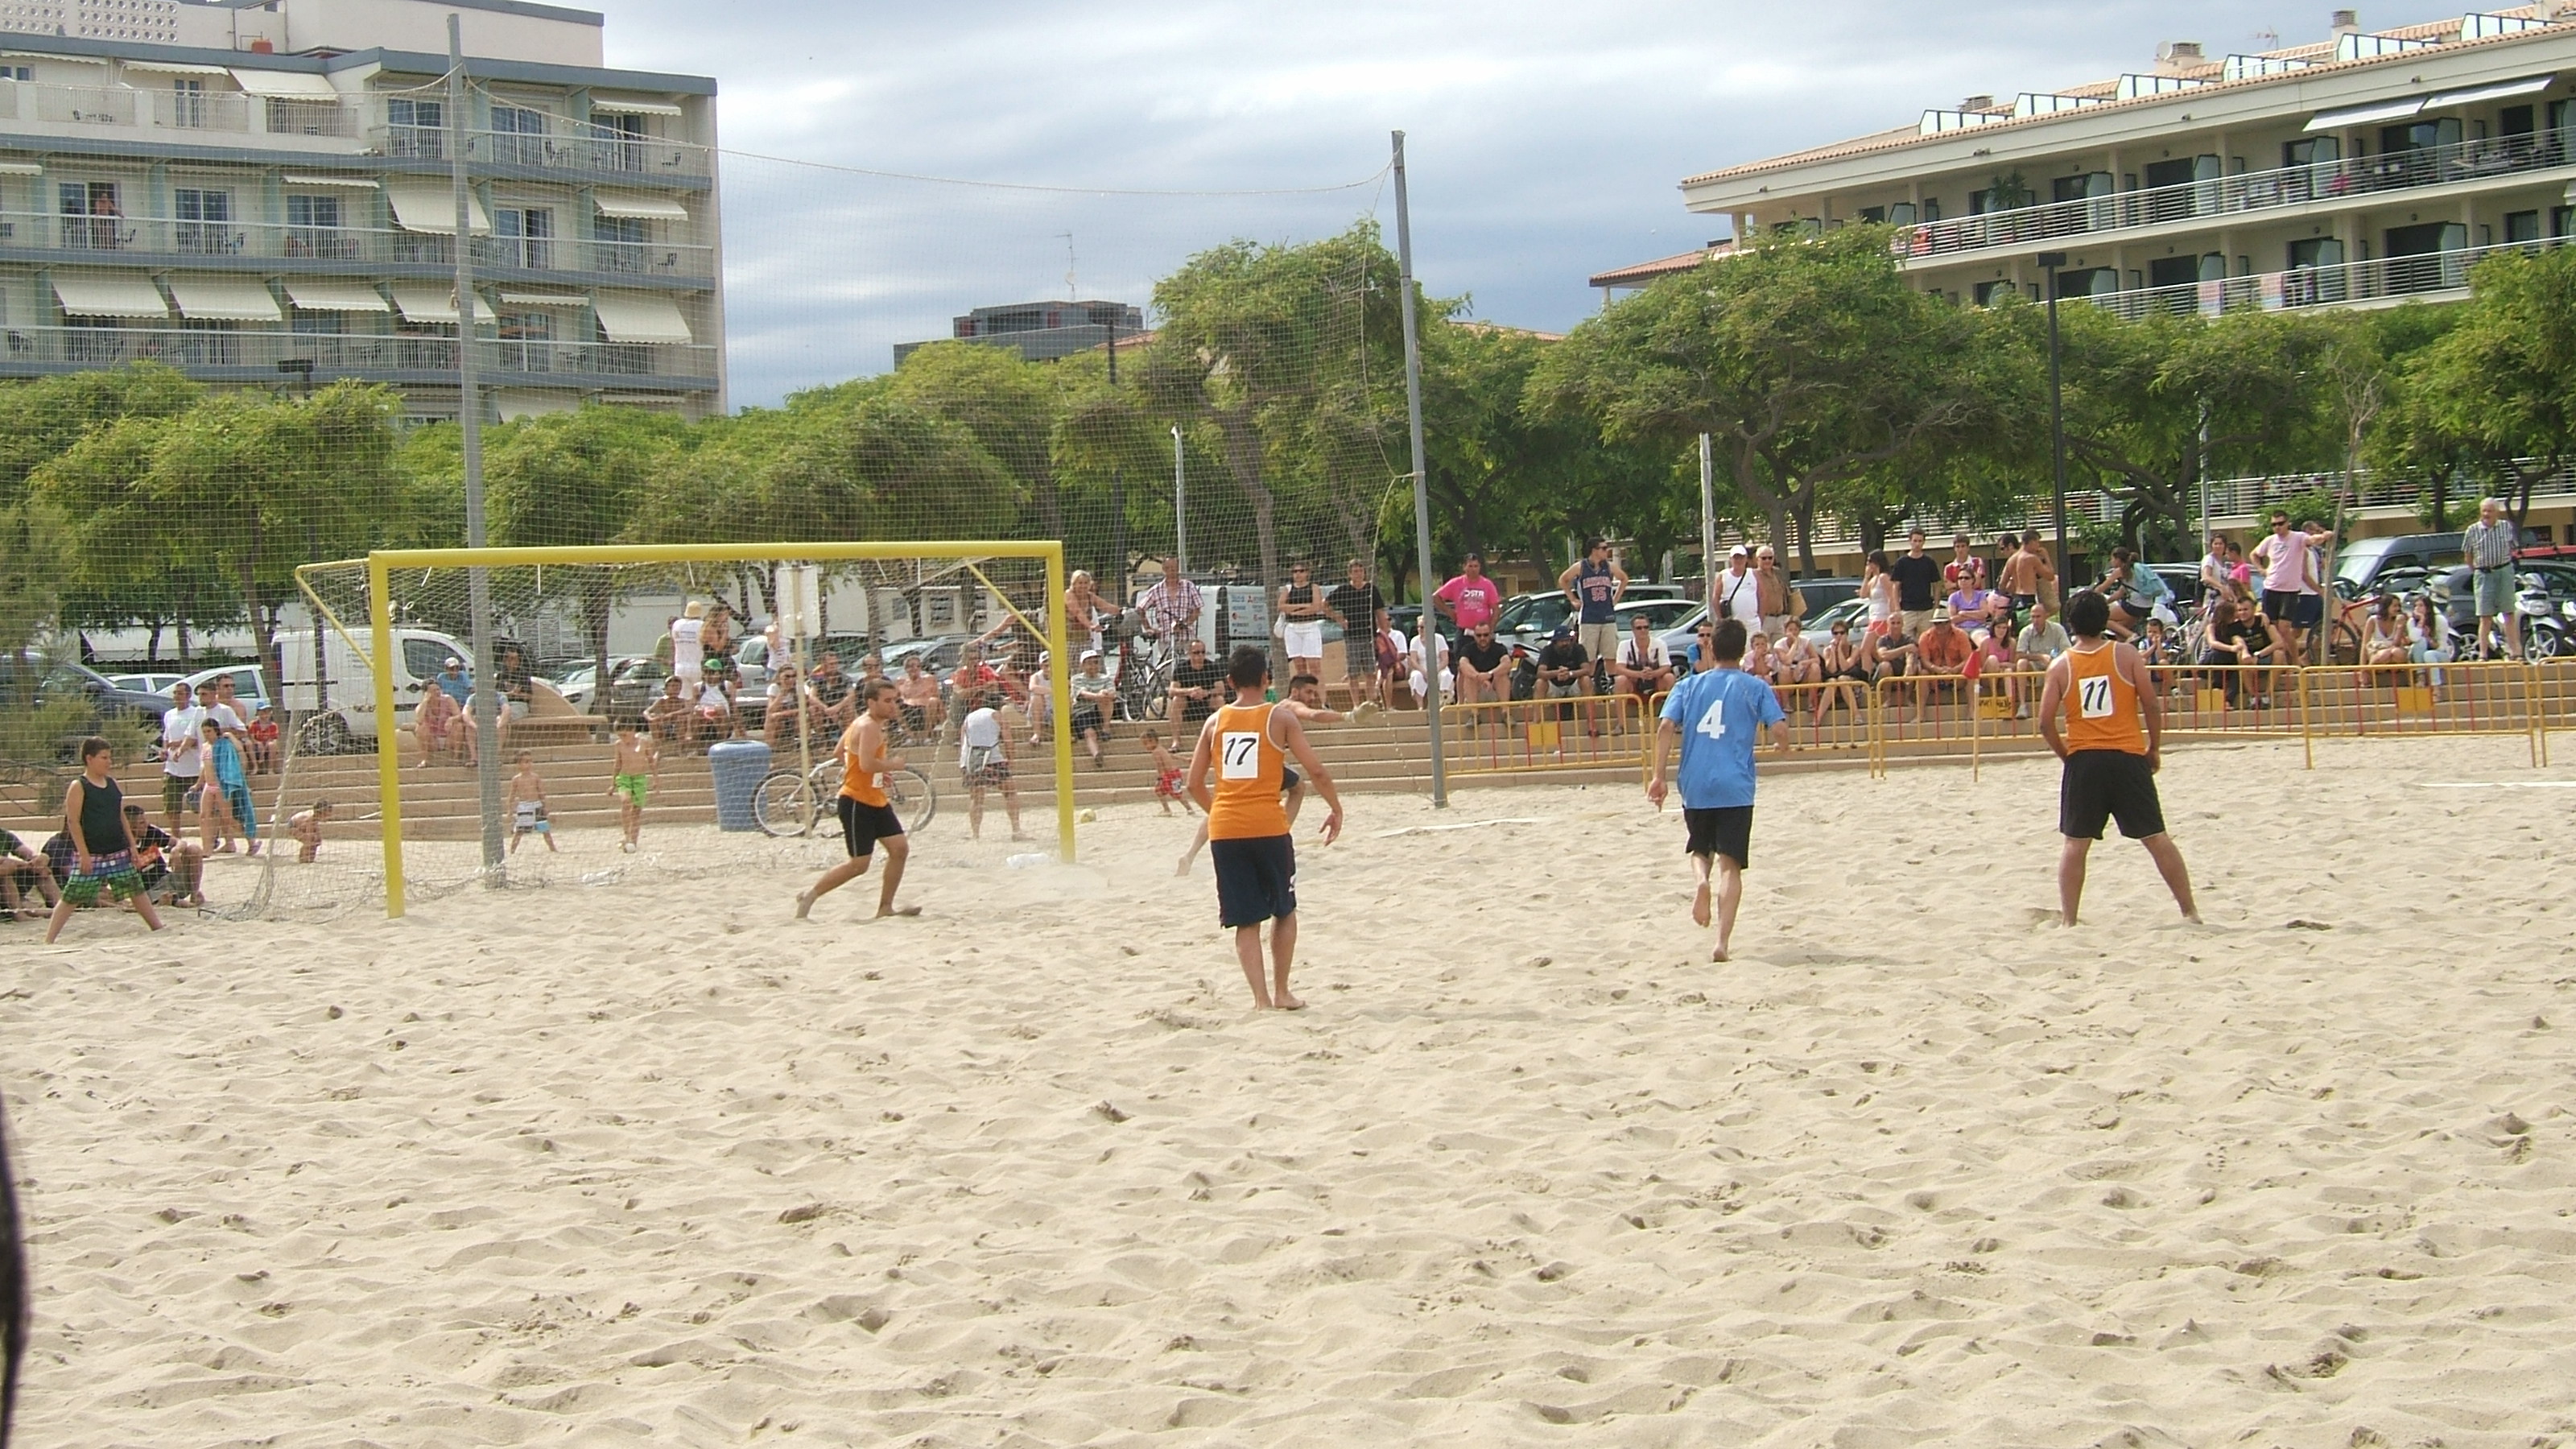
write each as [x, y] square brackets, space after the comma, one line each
[551, 35]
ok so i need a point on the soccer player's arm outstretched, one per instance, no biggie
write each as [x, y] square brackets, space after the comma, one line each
[1293, 740]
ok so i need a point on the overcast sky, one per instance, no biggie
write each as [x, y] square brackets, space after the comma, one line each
[1546, 140]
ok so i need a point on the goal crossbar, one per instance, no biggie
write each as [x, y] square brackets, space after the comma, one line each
[382, 563]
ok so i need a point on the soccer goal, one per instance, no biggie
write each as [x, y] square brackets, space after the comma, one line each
[695, 653]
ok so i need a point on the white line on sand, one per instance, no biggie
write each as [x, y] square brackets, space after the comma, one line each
[1459, 825]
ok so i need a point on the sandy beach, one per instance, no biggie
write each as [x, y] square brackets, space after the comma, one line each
[645, 1162]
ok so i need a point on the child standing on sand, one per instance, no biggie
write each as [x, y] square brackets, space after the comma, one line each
[306, 827]
[225, 809]
[637, 770]
[1167, 773]
[527, 804]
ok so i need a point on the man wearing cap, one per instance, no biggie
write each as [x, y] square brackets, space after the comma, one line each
[1737, 593]
[1943, 653]
[1095, 697]
[688, 644]
[452, 681]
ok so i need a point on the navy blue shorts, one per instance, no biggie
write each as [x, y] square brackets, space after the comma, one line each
[863, 825]
[1256, 879]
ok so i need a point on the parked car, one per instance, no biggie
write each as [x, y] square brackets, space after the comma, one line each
[61, 681]
[250, 683]
[1823, 594]
[1820, 627]
[145, 683]
[2359, 563]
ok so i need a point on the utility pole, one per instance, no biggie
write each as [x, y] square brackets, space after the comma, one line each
[1180, 505]
[1118, 482]
[469, 418]
[2051, 261]
[1430, 633]
[1708, 519]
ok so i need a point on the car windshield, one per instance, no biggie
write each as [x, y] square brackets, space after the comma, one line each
[2356, 562]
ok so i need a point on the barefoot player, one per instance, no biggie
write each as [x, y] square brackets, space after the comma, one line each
[2112, 746]
[1716, 715]
[867, 817]
[1247, 743]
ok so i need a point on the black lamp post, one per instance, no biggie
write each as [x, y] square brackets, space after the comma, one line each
[2050, 262]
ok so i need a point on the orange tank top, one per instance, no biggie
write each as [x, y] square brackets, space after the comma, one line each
[1245, 804]
[2102, 705]
[867, 789]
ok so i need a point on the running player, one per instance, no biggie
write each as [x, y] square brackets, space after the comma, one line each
[2113, 745]
[1246, 744]
[1716, 715]
[867, 819]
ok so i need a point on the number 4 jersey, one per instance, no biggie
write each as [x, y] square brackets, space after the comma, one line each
[2102, 705]
[1720, 715]
[1245, 804]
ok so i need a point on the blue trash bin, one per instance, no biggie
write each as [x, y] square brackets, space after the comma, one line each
[738, 767]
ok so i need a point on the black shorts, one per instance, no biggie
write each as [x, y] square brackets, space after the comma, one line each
[2309, 612]
[2280, 605]
[1725, 830]
[863, 825]
[1256, 879]
[2103, 785]
[1086, 717]
[1289, 779]
[914, 722]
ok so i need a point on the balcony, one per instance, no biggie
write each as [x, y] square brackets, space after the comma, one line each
[2381, 279]
[570, 147]
[2253, 192]
[145, 241]
[248, 354]
[169, 115]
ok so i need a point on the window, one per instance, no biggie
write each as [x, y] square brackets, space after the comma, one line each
[313, 227]
[2522, 226]
[2514, 121]
[1990, 294]
[2316, 273]
[2561, 219]
[1902, 213]
[17, 72]
[318, 324]
[205, 222]
[1873, 215]
[2427, 258]
[622, 241]
[91, 217]
[2172, 192]
[523, 236]
[524, 336]
[416, 128]
[518, 136]
[2088, 282]
[425, 659]
[625, 136]
[187, 102]
[209, 342]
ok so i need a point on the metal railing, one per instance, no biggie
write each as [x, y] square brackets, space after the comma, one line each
[350, 353]
[1575, 732]
[2314, 286]
[149, 237]
[568, 146]
[2252, 191]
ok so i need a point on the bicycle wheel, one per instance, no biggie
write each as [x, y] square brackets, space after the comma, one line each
[914, 799]
[784, 804]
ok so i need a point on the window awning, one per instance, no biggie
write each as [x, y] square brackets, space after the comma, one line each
[432, 303]
[227, 299]
[335, 297]
[2364, 115]
[20, 168]
[430, 206]
[48, 55]
[125, 294]
[351, 181]
[544, 299]
[632, 106]
[2527, 86]
[285, 85]
[172, 67]
[641, 317]
[639, 204]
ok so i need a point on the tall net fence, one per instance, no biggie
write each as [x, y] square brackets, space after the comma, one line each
[1213, 379]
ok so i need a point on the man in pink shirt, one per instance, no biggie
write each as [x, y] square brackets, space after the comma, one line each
[2291, 603]
[1471, 598]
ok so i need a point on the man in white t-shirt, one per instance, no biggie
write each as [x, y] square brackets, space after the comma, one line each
[688, 644]
[1421, 684]
[984, 760]
[183, 757]
[1737, 593]
[1643, 668]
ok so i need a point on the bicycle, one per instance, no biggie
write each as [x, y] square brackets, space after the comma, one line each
[786, 803]
[1144, 674]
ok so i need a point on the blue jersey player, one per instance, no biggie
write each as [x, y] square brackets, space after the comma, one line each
[1717, 716]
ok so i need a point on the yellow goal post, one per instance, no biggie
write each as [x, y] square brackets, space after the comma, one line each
[374, 639]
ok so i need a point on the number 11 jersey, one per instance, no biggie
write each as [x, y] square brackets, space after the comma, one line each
[1720, 714]
[2102, 705]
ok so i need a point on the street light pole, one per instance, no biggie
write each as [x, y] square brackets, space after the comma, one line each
[2050, 262]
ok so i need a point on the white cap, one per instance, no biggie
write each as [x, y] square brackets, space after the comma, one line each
[455, 663]
[1739, 551]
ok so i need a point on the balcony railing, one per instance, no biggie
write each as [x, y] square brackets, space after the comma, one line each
[351, 354]
[2254, 191]
[570, 146]
[2378, 278]
[146, 237]
[562, 146]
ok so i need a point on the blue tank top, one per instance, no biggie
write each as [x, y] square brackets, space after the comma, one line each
[1597, 591]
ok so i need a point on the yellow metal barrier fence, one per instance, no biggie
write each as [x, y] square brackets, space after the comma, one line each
[1576, 732]
[2493, 697]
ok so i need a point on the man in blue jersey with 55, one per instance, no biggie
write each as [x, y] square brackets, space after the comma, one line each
[1716, 716]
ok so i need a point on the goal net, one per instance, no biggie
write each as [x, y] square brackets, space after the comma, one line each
[645, 710]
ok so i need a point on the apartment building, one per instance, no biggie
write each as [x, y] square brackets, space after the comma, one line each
[1042, 331]
[2363, 168]
[258, 192]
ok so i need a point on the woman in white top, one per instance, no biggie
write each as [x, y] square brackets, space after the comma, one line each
[1082, 610]
[2432, 636]
[1879, 587]
[2387, 640]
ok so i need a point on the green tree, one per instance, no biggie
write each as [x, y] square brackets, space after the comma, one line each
[2500, 387]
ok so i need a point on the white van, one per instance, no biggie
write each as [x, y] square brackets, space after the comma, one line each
[348, 690]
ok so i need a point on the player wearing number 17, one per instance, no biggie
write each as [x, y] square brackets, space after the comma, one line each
[1716, 716]
[2113, 744]
[1246, 745]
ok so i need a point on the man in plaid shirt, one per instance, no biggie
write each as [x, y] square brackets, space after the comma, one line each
[1172, 606]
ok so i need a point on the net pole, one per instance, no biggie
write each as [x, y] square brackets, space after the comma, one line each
[1708, 520]
[1180, 504]
[469, 417]
[1421, 482]
[1060, 701]
[380, 616]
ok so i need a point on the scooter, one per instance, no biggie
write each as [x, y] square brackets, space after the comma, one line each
[2548, 627]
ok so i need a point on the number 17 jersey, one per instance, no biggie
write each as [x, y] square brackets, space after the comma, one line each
[1249, 768]
[1720, 714]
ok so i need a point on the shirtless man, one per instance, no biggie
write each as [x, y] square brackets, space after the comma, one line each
[636, 770]
[916, 699]
[2026, 574]
[867, 817]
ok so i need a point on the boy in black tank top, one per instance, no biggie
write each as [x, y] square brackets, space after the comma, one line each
[102, 853]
